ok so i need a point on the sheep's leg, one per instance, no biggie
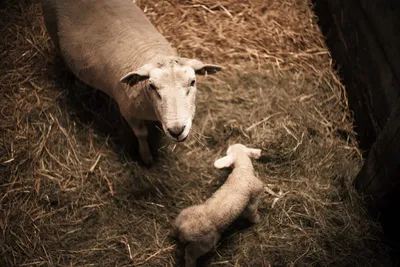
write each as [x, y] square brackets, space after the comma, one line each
[140, 130]
[195, 250]
[250, 212]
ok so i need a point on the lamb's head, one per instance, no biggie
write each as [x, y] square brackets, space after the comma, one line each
[171, 87]
[237, 154]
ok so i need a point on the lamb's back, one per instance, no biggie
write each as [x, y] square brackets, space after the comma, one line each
[229, 201]
[194, 225]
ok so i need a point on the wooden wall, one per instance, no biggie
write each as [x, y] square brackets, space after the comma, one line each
[364, 39]
[361, 43]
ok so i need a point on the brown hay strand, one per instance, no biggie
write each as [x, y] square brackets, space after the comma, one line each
[71, 194]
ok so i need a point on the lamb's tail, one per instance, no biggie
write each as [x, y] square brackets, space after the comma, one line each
[174, 232]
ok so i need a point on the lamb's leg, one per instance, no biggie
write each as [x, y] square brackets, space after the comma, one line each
[195, 250]
[140, 130]
[250, 212]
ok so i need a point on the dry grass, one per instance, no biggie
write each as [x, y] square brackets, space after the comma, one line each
[72, 194]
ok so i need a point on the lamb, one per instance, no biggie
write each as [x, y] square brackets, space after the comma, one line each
[199, 227]
[113, 47]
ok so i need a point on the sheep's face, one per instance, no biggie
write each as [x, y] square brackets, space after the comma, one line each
[171, 87]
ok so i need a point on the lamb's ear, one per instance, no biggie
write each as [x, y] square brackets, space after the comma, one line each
[224, 162]
[254, 153]
[201, 68]
[141, 74]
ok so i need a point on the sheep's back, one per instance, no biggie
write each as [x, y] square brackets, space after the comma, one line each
[101, 40]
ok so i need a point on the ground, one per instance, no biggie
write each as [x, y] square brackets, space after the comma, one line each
[72, 192]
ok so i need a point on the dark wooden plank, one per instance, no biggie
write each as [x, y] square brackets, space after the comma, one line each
[372, 87]
[379, 179]
[379, 175]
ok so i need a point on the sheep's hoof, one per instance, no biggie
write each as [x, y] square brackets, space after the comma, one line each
[255, 218]
[145, 155]
[147, 161]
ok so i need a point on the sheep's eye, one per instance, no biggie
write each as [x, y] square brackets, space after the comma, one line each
[152, 86]
[192, 83]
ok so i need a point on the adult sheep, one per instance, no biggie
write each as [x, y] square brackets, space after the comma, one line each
[113, 47]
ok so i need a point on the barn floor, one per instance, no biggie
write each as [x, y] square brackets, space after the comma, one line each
[73, 194]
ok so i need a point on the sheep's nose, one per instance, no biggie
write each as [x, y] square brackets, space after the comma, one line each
[176, 131]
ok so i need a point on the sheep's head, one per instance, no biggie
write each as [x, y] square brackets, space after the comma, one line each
[171, 87]
[237, 154]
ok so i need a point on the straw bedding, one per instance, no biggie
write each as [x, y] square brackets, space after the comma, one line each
[72, 192]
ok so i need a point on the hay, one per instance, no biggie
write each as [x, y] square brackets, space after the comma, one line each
[72, 194]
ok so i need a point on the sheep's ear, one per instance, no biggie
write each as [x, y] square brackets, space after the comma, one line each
[141, 74]
[224, 162]
[254, 153]
[201, 68]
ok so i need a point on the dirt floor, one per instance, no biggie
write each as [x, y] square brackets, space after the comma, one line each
[73, 194]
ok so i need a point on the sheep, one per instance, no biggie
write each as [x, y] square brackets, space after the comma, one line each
[199, 227]
[113, 47]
